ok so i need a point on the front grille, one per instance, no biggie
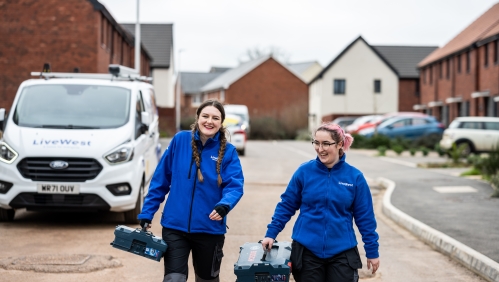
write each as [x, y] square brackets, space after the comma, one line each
[35, 201]
[78, 170]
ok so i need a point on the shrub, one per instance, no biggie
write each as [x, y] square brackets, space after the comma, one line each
[303, 135]
[490, 165]
[412, 150]
[382, 150]
[378, 140]
[456, 153]
[399, 141]
[424, 150]
[185, 123]
[428, 141]
[359, 141]
[494, 180]
[472, 171]
[267, 128]
[398, 149]
[439, 150]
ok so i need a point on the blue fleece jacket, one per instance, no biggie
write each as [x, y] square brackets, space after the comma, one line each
[190, 201]
[328, 201]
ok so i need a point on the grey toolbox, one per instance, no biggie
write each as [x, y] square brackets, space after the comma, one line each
[255, 265]
[139, 242]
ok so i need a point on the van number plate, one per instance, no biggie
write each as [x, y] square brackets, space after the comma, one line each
[58, 188]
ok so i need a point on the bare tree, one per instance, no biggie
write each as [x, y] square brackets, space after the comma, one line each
[257, 52]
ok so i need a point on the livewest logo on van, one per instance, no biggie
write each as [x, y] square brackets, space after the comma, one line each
[55, 142]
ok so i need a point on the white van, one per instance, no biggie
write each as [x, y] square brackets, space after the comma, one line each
[242, 111]
[75, 142]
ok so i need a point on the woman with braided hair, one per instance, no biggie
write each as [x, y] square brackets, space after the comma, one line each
[203, 176]
[330, 194]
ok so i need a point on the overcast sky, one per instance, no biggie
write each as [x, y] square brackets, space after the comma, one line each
[219, 32]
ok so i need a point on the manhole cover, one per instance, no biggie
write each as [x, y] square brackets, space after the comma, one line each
[52, 260]
[60, 263]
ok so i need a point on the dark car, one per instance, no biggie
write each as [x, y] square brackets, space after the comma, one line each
[410, 128]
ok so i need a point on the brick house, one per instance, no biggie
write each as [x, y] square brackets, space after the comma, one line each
[462, 77]
[268, 88]
[70, 35]
[365, 79]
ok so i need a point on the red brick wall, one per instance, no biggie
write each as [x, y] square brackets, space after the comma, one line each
[408, 96]
[489, 75]
[167, 120]
[270, 90]
[64, 33]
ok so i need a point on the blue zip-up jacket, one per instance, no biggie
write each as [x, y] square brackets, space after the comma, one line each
[190, 201]
[328, 201]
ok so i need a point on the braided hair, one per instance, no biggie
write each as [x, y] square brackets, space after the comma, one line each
[222, 138]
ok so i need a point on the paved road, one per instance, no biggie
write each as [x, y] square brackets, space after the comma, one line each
[267, 166]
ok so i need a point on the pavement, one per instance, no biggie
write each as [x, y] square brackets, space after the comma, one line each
[452, 214]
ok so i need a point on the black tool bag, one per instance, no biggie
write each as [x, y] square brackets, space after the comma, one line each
[139, 242]
[255, 265]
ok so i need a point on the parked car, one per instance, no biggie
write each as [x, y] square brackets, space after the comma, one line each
[475, 134]
[344, 121]
[410, 128]
[367, 127]
[361, 121]
[241, 111]
[237, 135]
[76, 141]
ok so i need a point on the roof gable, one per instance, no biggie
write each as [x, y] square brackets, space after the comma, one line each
[229, 77]
[485, 26]
[345, 51]
[405, 58]
[158, 39]
[192, 82]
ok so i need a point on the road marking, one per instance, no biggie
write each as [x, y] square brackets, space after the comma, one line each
[455, 189]
[409, 164]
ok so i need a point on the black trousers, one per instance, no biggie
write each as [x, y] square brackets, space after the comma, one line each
[339, 268]
[206, 253]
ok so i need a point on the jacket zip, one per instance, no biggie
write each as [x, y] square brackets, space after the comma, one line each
[327, 208]
[194, 189]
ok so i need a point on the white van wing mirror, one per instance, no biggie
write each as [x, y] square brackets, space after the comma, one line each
[145, 118]
[2, 114]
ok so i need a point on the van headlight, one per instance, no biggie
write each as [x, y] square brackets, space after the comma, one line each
[7, 154]
[120, 155]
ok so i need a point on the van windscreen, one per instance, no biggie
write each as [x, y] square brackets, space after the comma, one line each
[73, 106]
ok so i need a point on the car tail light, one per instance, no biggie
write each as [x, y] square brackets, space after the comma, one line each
[441, 125]
[241, 132]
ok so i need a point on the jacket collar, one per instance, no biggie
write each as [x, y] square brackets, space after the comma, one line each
[212, 139]
[336, 166]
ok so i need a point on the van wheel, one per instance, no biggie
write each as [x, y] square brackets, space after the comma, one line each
[131, 215]
[241, 152]
[7, 215]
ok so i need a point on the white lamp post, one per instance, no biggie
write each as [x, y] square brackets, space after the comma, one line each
[137, 41]
[177, 96]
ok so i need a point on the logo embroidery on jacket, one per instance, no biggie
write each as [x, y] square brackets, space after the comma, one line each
[345, 184]
[214, 158]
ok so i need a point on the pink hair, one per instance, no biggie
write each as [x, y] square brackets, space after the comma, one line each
[337, 133]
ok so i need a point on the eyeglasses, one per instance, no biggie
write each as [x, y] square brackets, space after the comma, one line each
[325, 145]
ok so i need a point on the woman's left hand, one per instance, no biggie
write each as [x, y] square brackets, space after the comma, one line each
[215, 216]
[374, 263]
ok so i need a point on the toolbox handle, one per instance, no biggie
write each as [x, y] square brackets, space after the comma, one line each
[265, 252]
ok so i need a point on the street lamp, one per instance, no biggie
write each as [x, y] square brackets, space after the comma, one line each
[177, 96]
[137, 40]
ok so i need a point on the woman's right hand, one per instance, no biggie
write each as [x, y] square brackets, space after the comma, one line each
[267, 244]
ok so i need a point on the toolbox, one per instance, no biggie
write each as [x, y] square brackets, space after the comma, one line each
[255, 265]
[139, 242]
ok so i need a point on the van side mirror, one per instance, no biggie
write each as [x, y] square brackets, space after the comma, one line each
[145, 118]
[2, 118]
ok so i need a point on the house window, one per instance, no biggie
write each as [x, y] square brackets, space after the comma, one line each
[417, 88]
[468, 61]
[441, 70]
[377, 86]
[431, 74]
[459, 63]
[339, 86]
[196, 99]
[486, 55]
[448, 68]
[424, 71]
[496, 51]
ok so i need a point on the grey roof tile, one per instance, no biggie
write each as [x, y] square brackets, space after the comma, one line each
[158, 40]
[405, 58]
[193, 81]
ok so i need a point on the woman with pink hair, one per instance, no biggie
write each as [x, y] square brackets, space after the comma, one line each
[330, 194]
